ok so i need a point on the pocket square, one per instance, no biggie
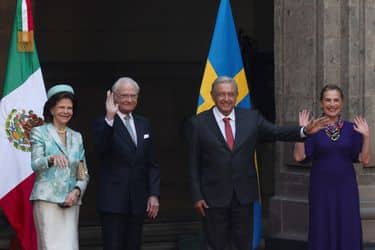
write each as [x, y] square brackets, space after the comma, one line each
[146, 136]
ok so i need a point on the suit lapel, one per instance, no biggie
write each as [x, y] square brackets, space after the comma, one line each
[212, 124]
[139, 131]
[52, 131]
[69, 140]
[241, 130]
[123, 131]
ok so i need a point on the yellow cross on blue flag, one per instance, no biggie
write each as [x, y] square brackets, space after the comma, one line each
[224, 59]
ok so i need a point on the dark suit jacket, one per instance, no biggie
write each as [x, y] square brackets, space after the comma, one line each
[216, 171]
[128, 174]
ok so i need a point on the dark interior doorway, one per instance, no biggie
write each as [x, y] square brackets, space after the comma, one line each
[163, 45]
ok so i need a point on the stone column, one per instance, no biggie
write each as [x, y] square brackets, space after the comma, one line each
[319, 42]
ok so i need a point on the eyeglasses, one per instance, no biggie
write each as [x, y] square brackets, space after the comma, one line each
[225, 95]
[127, 96]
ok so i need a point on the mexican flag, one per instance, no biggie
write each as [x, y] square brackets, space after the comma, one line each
[21, 108]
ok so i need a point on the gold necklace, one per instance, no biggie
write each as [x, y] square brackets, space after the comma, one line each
[61, 131]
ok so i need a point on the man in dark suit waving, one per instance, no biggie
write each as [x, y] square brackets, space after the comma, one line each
[222, 174]
[129, 178]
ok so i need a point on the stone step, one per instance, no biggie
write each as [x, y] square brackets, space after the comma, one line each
[167, 236]
[145, 246]
[5, 235]
[156, 236]
[282, 244]
[155, 232]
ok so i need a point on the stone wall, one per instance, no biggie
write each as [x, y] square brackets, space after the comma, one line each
[6, 24]
[319, 42]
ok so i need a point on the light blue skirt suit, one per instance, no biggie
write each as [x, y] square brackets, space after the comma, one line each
[53, 184]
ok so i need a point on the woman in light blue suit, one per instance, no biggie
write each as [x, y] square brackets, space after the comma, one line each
[57, 151]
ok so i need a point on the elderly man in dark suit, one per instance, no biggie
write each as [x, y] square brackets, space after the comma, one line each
[129, 178]
[222, 174]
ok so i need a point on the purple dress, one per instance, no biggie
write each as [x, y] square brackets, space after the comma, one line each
[335, 222]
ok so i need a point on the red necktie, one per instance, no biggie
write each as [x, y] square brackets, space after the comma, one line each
[228, 133]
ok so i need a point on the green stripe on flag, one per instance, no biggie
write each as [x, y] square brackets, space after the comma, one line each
[21, 65]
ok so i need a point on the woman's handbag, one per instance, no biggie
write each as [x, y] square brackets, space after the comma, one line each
[82, 172]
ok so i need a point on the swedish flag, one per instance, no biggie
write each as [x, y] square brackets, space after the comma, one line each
[224, 59]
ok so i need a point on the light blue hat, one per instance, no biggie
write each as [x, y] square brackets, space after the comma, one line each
[59, 88]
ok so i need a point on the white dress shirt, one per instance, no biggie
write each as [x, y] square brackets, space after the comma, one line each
[131, 121]
[219, 120]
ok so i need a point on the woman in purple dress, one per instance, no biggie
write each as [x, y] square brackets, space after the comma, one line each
[335, 222]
